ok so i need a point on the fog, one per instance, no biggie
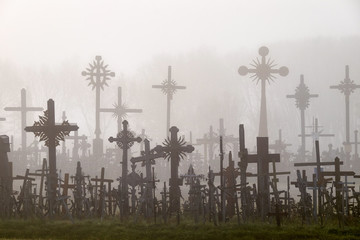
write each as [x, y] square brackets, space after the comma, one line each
[45, 45]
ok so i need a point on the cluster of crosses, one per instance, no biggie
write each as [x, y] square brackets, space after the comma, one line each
[216, 197]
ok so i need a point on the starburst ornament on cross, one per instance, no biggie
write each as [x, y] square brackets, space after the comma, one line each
[263, 71]
[98, 74]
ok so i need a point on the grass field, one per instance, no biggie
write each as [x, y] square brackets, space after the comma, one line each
[112, 229]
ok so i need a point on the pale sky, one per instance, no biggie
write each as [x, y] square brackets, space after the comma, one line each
[45, 32]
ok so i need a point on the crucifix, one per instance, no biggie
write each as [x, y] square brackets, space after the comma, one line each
[120, 110]
[23, 109]
[148, 158]
[302, 101]
[125, 140]
[52, 133]
[347, 87]
[168, 87]
[175, 149]
[316, 133]
[263, 71]
[98, 75]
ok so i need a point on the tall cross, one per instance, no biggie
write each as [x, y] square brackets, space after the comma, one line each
[263, 71]
[52, 133]
[120, 110]
[98, 75]
[347, 87]
[125, 140]
[356, 143]
[174, 148]
[302, 98]
[168, 87]
[23, 109]
[148, 158]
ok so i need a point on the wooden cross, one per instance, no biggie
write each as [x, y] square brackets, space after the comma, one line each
[125, 140]
[143, 136]
[227, 139]
[77, 145]
[263, 71]
[50, 132]
[262, 159]
[302, 98]
[120, 110]
[280, 146]
[98, 75]
[148, 158]
[168, 87]
[243, 163]
[356, 143]
[174, 149]
[101, 186]
[347, 87]
[319, 179]
[23, 109]
[5, 170]
[338, 174]
[209, 140]
[84, 146]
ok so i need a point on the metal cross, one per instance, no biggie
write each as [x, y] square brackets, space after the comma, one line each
[51, 133]
[263, 71]
[302, 98]
[168, 87]
[125, 140]
[120, 110]
[347, 87]
[98, 75]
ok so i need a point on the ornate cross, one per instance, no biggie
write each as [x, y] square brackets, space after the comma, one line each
[148, 158]
[347, 87]
[175, 149]
[23, 109]
[97, 74]
[120, 110]
[263, 71]
[51, 133]
[125, 140]
[302, 100]
[168, 87]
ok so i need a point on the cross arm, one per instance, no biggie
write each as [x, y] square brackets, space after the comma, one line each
[130, 110]
[21, 109]
[157, 86]
[308, 164]
[344, 173]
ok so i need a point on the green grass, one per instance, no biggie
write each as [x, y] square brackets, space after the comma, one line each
[113, 229]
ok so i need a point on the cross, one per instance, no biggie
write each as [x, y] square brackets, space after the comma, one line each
[98, 75]
[120, 110]
[356, 143]
[101, 186]
[75, 150]
[143, 136]
[316, 133]
[302, 98]
[52, 133]
[5, 170]
[23, 109]
[125, 140]
[168, 87]
[347, 87]
[280, 146]
[227, 138]
[263, 71]
[243, 163]
[318, 165]
[209, 140]
[148, 158]
[338, 174]
[262, 159]
[84, 146]
[174, 149]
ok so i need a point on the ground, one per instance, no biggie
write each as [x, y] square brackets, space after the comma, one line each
[114, 229]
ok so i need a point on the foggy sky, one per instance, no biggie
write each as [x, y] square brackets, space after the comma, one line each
[44, 46]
